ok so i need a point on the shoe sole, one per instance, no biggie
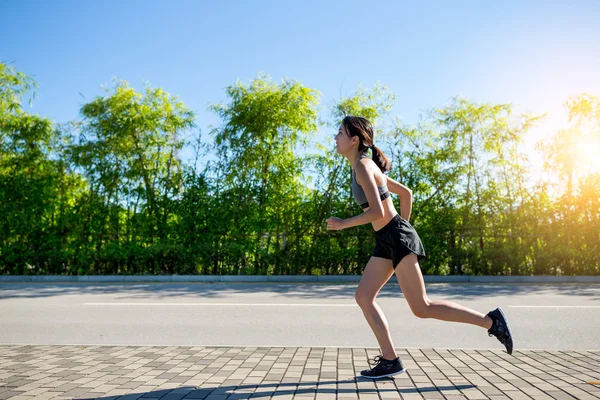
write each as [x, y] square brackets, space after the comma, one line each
[507, 327]
[383, 376]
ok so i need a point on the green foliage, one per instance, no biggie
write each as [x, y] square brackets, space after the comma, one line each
[108, 193]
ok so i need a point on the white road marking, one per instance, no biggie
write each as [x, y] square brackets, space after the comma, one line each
[554, 306]
[288, 305]
[226, 304]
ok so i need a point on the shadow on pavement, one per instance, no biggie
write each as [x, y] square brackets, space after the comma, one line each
[266, 390]
[196, 291]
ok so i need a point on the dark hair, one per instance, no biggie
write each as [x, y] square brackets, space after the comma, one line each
[361, 127]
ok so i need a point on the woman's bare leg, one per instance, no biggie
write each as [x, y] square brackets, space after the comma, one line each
[377, 272]
[411, 282]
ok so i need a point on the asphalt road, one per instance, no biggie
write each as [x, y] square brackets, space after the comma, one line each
[549, 317]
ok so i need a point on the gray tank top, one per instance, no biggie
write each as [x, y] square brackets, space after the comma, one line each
[359, 193]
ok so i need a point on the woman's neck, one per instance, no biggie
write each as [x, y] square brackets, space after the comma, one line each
[353, 159]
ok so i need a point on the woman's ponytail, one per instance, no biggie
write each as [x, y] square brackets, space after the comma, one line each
[381, 160]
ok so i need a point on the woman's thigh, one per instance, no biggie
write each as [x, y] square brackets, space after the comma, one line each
[412, 284]
[377, 272]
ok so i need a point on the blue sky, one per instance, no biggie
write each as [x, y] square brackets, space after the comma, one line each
[533, 54]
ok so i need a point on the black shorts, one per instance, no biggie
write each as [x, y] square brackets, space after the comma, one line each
[396, 240]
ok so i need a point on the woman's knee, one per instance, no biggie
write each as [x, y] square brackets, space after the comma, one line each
[421, 309]
[363, 298]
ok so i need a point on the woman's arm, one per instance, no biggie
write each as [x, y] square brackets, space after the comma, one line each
[405, 195]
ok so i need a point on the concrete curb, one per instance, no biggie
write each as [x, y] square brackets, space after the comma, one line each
[292, 278]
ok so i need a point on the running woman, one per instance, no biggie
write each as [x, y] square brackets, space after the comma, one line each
[398, 249]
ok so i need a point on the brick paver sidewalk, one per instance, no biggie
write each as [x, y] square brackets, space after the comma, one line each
[219, 373]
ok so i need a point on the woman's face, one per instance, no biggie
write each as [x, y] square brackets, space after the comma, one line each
[343, 142]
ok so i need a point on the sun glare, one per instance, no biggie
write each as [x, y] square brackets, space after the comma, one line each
[588, 152]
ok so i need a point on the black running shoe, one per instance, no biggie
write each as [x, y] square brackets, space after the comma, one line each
[383, 368]
[501, 329]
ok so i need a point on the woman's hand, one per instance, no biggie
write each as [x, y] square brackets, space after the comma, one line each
[335, 224]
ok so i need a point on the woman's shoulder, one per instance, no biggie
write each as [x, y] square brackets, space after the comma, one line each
[366, 166]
